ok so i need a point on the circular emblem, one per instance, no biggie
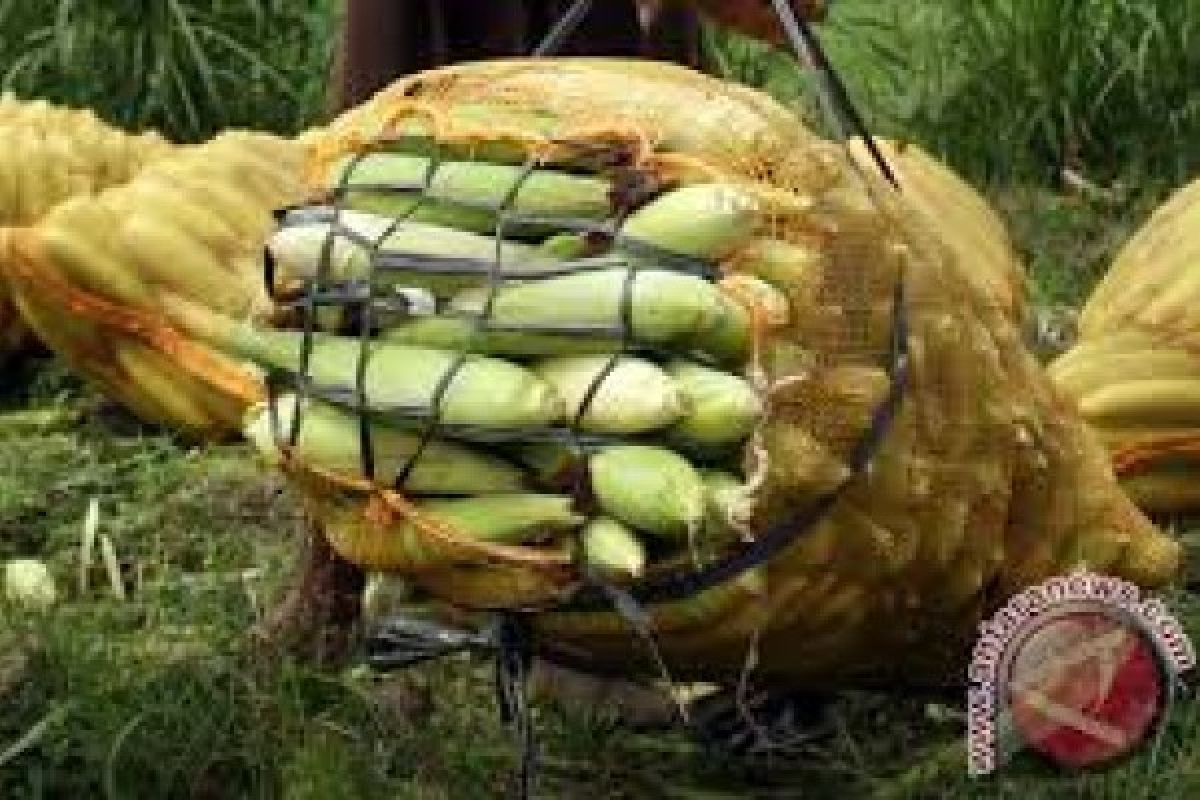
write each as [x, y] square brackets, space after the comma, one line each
[1084, 685]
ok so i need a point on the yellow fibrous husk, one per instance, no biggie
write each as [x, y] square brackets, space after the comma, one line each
[47, 155]
[987, 480]
[1135, 371]
[965, 222]
[95, 275]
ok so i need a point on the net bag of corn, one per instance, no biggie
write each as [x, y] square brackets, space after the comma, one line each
[1135, 371]
[47, 154]
[555, 335]
[94, 276]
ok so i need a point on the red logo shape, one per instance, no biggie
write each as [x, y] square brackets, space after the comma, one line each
[1085, 688]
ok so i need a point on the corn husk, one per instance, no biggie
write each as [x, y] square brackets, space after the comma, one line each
[1134, 372]
[466, 194]
[649, 488]
[668, 308]
[328, 438]
[624, 395]
[475, 391]
[298, 250]
[94, 277]
[723, 409]
[984, 483]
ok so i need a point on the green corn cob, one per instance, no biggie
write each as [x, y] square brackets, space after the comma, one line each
[722, 408]
[611, 550]
[297, 250]
[649, 488]
[464, 194]
[634, 396]
[329, 438]
[667, 307]
[703, 221]
[485, 392]
[507, 518]
[458, 333]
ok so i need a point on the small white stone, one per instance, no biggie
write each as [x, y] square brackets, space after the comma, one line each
[28, 584]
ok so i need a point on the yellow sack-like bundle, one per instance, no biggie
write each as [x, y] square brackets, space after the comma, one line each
[48, 154]
[1135, 372]
[983, 481]
[964, 220]
[93, 276]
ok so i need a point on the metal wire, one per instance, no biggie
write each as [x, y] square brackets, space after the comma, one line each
[564, 29]
[835, 101]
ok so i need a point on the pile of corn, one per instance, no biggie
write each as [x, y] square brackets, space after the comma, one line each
[48, 154]
[1135, 372]
[740, 403]
[93, 276]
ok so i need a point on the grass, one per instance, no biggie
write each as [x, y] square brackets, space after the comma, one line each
[1013, 91]
[1020, 89]
[185, 67]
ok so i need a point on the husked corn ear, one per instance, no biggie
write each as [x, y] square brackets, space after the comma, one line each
[458, 333]
[626, 395]
[74, 239]
[185, 207]
[49, 154]
[328, 437]
[1134, 373]
[1166, 401]
[168, 256]
[649, 488]
[1091, 374]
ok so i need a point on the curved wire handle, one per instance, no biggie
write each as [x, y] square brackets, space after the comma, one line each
[835, 100]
